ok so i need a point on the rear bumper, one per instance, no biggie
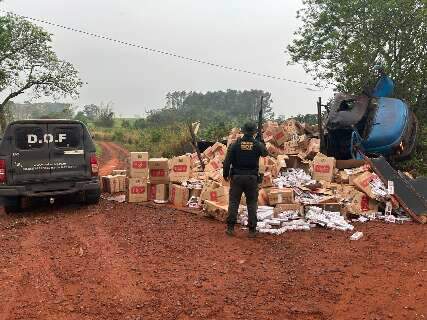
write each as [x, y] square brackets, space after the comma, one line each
[28, 191]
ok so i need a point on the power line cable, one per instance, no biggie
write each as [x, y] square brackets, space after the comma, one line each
[166, 53]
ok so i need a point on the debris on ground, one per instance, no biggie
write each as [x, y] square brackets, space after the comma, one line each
[356, 236]
[301, 187]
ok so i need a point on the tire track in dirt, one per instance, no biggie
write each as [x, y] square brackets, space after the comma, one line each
[32, 281]
[117, 265]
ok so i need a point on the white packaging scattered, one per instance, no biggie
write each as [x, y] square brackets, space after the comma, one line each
[390, 218]
[379, 190]
[388, 208]
[193, 184]
[193, 202]
[356, 236]
[390, 187]
[328, 219]
[293, 178]
[362, 219]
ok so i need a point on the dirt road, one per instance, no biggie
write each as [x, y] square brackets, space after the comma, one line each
[126, 261]
[113, 157]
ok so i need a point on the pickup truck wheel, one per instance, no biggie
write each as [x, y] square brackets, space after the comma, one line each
[92, 196]
[12, 205]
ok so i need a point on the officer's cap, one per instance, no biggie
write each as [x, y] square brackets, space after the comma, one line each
[249, 127]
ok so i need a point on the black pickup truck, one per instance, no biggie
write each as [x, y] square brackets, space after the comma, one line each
[47, 158]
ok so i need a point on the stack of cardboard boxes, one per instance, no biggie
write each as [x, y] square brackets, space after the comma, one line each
[341, 185]
[137, 181]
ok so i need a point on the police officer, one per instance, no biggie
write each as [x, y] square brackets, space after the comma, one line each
[241, 164]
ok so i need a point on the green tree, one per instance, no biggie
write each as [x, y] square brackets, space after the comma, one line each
[91, 111]
[341, 40]
[106, 116]
[29, 64]
[81, 117]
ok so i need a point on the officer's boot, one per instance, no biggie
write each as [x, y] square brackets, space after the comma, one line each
[252, 233]
[230, 231]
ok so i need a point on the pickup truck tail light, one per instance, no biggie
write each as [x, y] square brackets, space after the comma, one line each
[94, 165]
[2, 171]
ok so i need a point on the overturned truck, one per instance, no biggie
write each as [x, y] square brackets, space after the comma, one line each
[374, 125]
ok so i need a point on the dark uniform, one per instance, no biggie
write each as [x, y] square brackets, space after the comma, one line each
[241, 163]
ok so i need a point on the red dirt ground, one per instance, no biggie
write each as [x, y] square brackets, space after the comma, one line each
[128, 261]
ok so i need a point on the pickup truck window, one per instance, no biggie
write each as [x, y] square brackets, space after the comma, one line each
[66, 137]
[28, 138]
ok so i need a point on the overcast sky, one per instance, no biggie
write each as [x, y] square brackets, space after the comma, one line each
[248, 34]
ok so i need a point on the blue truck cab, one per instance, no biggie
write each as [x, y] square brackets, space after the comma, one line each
[376, 124]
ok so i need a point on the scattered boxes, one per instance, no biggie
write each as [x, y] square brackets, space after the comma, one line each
[276, 196]
[295, 207]
[361, 204]
[178, 195]
[327, 193]
[216, 210]
[113, 184]
[323, 167]
[363, 182]
[217, 194]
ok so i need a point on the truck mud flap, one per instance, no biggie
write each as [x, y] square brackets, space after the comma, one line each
[411, 194]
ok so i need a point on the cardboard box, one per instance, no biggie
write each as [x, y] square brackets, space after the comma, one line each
[303, 142]
[113, 184]
[342, 177]
[159, 170]
[214, 194]
[291, 147]
[178, 195]
[281, 161]
[216, 210]
[109, 184]
[137, 190]
[323, 168]
[362, 182]
[121, 182]
[138, 165]
[313, 148]
[280, 136]
[272, 149]
[121, 172]
[288, 207]
[276, 196]
[213, 165]
[293, 127]
[180, 169]
[219, 150]
[331, 206]
[267, 180]
[195, 193]
[361, 204]
[209, 153]
[158, 192]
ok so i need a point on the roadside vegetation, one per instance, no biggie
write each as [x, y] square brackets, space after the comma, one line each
[164, 131]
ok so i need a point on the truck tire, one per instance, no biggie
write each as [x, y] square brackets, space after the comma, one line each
[92, 196]
[12, 204]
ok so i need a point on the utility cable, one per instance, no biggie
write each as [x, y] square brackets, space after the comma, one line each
[166, 53]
